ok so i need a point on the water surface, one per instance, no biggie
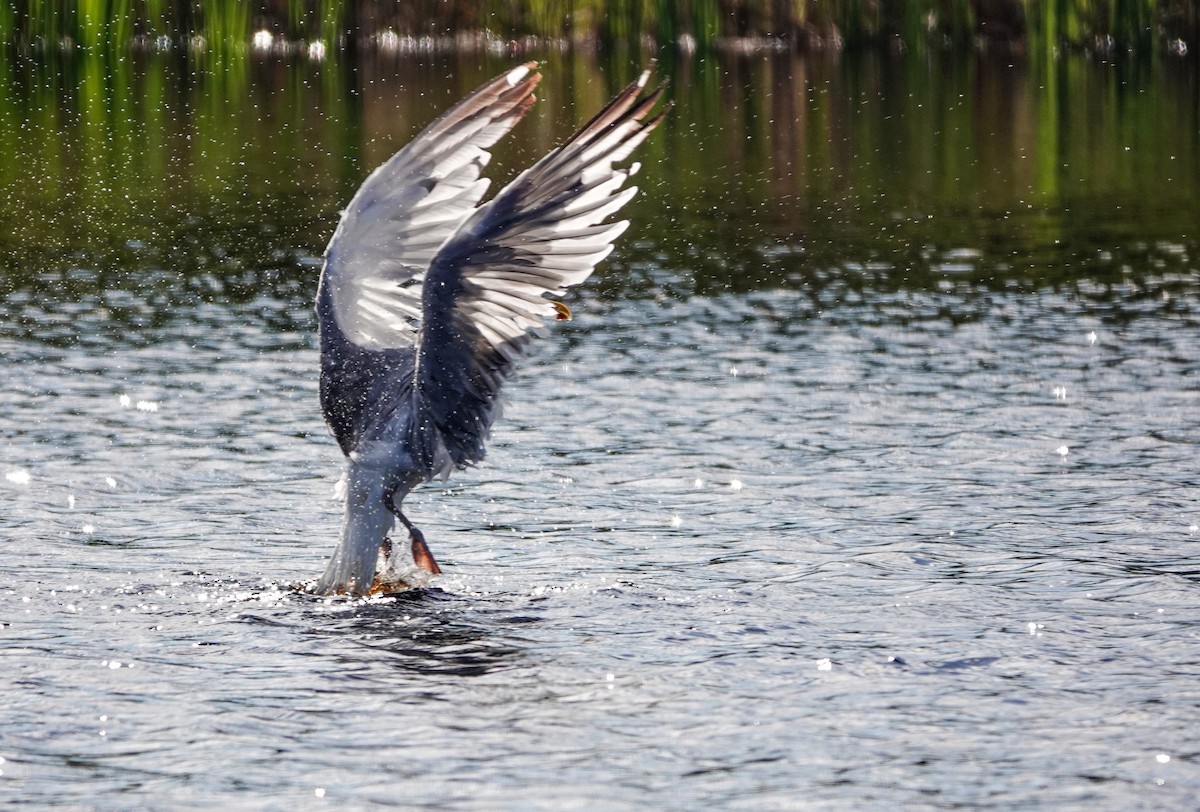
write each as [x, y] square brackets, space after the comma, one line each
[863, 478]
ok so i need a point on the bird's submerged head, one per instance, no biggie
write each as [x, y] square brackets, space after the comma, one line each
[368, 521]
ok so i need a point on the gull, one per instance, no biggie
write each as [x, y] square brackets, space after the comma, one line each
[429, 297]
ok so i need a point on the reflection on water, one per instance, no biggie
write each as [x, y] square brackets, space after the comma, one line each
[865, 470]
[784, 165]
[427, 632]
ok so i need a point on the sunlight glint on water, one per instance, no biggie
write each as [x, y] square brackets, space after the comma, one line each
[864, 474]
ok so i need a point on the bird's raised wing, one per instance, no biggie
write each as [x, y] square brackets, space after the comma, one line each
[486, 287]
[409, 206]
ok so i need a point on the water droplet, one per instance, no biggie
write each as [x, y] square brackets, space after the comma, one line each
[1162, 758]
[18, 477]
[824, 664]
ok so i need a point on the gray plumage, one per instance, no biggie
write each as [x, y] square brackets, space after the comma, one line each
[428, 298]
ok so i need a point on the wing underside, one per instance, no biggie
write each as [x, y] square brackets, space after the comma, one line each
[487, 288]
[407, 208]
[428, 293]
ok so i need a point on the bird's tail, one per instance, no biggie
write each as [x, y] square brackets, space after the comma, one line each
[368, 521]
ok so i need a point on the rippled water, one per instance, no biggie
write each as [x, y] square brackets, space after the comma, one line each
[872, 532]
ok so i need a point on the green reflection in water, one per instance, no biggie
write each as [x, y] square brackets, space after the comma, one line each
[772, 170]
[897, 159]
[1035, 25]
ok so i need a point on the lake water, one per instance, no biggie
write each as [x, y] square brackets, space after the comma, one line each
[865, 476]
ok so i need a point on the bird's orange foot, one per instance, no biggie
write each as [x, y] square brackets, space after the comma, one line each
[421, 555]
[396, 576]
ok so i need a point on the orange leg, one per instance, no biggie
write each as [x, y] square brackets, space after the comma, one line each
[420, 551]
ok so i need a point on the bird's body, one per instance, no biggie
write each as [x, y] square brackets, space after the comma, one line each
[427, 298]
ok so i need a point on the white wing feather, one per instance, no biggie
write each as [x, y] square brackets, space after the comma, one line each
[408, 207]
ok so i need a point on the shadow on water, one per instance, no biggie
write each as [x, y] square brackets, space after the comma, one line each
[429, 632]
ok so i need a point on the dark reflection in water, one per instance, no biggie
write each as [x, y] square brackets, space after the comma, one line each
[430, 633]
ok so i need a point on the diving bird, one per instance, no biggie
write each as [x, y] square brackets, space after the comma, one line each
[429, 297]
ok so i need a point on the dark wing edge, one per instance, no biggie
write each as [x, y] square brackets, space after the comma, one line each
[486, 289]
[408, 207]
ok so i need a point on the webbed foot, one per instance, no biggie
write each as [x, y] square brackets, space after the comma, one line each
[421, 554]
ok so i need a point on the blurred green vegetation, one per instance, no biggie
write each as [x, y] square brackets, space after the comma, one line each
[1039, 25]
[226, 173]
